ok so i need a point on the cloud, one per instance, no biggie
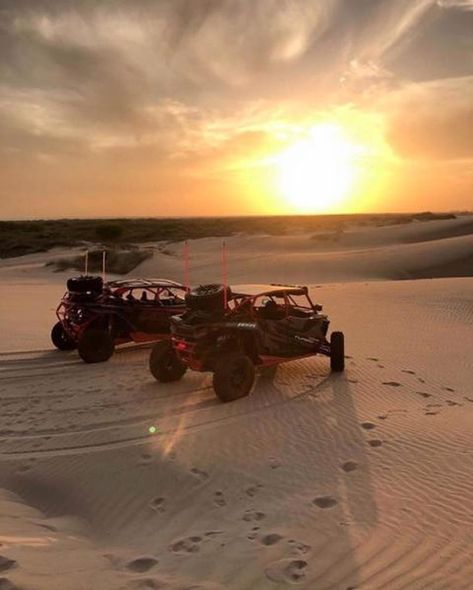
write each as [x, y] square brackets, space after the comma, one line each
[461, 4]
[432, 120]
[170, 85]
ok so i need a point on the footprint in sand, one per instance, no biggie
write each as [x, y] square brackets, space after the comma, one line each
[289, 571]
[202, 475]
[448, 389]
[352, 380]
[368, 425]
[392, 383]
[270, 539]
[157, 504]
[253, 515]
[6, 584]
[408, 371]
[253, 490]
[187, 545]
[372, 358]
[423, 394]
[450, 402]
[325, 502]
[382, 417]
[6, 563]
[274, 463]
[430, 413]
[145, 459]
[141, 564]
[298, 547]
[375, 442]
[144, 584]
[219, 499]
[349, 466]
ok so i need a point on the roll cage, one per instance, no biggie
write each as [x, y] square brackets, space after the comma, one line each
[122, 300]
[281, 299]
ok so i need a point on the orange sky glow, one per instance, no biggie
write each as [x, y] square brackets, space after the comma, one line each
[179, 108]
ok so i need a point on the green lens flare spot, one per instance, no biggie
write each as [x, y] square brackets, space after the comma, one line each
[152, 430]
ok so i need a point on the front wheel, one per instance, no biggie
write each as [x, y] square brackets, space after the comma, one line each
[337, 352]
[234, 375]
[95, 346]
[61, 339]
[164, 364]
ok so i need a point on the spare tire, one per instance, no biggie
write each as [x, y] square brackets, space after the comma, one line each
[85, 284]
[208, 298]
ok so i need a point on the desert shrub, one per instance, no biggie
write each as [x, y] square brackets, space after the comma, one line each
[119, 262]
[109, 232]
[25, 237]
[429, 216]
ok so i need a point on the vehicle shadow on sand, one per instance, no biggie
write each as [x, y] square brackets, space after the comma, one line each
[338, 486]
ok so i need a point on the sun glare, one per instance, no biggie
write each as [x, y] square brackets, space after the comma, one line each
[318, 173]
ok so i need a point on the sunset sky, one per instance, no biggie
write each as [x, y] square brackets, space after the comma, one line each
[234, 107]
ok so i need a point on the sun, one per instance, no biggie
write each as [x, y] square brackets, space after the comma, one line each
[318, 173]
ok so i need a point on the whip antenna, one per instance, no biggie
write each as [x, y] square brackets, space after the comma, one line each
[224, 274]
[104, 257]
[186, 266]
[86, 262]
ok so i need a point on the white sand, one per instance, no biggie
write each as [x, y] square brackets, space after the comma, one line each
[362, 480]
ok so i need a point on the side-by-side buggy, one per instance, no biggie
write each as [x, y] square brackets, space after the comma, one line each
[94, 316]
[232, 332]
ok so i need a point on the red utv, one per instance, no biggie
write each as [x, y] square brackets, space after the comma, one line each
[231, 332]
[95, 316]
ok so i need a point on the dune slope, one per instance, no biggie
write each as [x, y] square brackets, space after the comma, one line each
[361, 480]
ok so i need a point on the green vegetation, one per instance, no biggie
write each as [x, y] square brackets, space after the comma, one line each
[26, 237]
[118, 262]
[110, 232]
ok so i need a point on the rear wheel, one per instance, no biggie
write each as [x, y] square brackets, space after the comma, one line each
[164, 364]
[95, 346]
[234, 375]
[337, 352]
[61, 339]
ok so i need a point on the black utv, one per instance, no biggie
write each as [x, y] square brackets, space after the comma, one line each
[232, 331]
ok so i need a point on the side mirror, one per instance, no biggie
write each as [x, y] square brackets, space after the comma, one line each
[318, 307]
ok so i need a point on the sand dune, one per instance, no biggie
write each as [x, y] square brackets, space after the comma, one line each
[315, 481]
[360, 480]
